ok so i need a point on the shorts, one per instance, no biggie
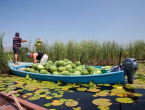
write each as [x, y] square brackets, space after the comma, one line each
[44, 59]
[16, 50]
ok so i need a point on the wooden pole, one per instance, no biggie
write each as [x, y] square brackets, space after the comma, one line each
[15, 99]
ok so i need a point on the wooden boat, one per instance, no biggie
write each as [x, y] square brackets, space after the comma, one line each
[7, 103]
[106, 78]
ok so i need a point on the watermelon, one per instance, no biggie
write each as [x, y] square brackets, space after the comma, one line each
[50, 62]
[40, 67]
[35, 65]
[43, 71]
[55, 73]
[61, 63]
[53, 68]
[78, 63]
[77, 73]
[68, 67]
[27, 69]
[65, 73]
[84, 72]
[61, 68]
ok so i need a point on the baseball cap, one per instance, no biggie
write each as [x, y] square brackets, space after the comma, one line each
[28, 54]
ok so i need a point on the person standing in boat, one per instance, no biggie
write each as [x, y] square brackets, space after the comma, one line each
[38, 56]
[16, 46]
[38, 45]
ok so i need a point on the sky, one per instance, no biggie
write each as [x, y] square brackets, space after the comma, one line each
[120, 20]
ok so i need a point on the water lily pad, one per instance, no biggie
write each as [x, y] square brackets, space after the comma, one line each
[54, 94]
[49, 97]
[70, 91]
[81, 89]
[129, 86]
[65, 89]
[63, 100]
[57, 89]
[117, 86]
[47, 92]
[26, 88]
[101, 93]
[93, 90]
[86, 85]
[56, 103]
[17, 95]
[124, 100]
[106, 90]
[47, 104]
[78, 108]
[58, 96]
[107, 85]
[100, 84]
[19, 82]
[43, 95]
[137, 94]
[103, 108]
[102, 102]
[34, 98]
[24, 96]
[119, 92]
[71, 103]
[60, 91]
[29, 94]
[19, 90]
[1, 89]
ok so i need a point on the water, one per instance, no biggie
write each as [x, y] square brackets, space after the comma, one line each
[85, 99]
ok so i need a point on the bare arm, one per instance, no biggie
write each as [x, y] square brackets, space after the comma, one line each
[34, 57]
[23, 40]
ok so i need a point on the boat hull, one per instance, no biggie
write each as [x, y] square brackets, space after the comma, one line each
[106, 78]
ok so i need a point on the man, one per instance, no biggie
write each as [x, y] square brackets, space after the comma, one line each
[38, 56]
[38, 45]
[16, 46]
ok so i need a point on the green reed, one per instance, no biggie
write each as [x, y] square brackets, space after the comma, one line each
[89, 52]
[3, 57]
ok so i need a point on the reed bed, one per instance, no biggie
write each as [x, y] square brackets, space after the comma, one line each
[89, 52]
[3, 57]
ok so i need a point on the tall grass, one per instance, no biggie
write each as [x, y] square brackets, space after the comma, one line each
[3, 57]
[89, 52]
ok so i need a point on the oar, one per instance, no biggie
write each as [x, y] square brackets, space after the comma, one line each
[15, 99]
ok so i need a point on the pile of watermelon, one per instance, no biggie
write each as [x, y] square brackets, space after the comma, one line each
[63, 67]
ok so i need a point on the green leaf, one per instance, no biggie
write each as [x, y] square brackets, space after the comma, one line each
[81, 89]
[102, 102]
[137, 94]
[71, 103]
[47, 104]
[124, 100]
